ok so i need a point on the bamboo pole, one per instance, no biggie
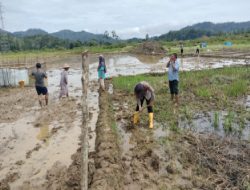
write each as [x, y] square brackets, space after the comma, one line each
[85, 114]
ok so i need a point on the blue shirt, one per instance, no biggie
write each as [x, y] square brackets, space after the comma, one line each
[173, 71]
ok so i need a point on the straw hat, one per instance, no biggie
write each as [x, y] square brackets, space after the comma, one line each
[65, 66]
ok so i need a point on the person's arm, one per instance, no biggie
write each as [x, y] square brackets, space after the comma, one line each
[168, 64]
[139, 104]
[45, 75]
[175, 66]
[105, 68]
[152, 100]
[99, 65]
[66, 78]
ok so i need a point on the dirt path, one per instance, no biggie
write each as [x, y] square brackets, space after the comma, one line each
[106, 171]
[34, 140]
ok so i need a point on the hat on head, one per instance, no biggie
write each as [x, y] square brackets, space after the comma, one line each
[65, 66]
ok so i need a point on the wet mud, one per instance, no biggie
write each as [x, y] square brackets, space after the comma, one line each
[40, 147]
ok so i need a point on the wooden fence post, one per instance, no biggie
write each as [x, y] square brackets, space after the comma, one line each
[85, 119]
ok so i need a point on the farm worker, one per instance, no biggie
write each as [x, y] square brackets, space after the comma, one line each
[197, 49]
[41, 89]
[173, 77]
[182, 49]
[143, 91]
[102, 71]
[64, 81]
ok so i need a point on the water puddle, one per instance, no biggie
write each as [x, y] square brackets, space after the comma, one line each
[44, 134]
[222, 123]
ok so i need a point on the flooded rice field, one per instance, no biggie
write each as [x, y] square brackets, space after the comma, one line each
[34, 140]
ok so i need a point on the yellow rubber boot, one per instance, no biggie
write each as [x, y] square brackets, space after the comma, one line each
[136, 118]
[151, 120]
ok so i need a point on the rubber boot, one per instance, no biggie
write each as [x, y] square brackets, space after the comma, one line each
[136, 118]
[151, 120]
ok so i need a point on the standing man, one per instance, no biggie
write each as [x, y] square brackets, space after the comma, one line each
[41, 89]
[197, 49]
[182, 49]
[173, 77]
[64, 82]
[143, 91]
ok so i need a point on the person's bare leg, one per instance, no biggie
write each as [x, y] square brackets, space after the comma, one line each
[176, 100]
[102, 84]
[172, 97]
[40, 100]
[47, 99]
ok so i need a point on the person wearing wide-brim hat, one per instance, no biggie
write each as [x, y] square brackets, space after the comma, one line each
[143, 91]
[64, 81]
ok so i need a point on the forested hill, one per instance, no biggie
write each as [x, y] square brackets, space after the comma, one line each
[35, 39]
[205, 29]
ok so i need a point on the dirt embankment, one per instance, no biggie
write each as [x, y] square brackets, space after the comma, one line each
[149, 48]
[106, 173]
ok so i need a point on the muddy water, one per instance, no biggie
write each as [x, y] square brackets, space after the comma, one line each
[31, 150]
[30, 146]
[208, 123]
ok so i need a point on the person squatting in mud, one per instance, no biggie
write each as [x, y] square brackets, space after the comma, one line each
[143, 91]
[41, 89]
[102, 72]
[64, 82]
[173, 77]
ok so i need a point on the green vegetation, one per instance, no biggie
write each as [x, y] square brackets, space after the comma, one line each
[200, 91]
[216, 120]
[228, 124]
[237, 88]
[45, 42]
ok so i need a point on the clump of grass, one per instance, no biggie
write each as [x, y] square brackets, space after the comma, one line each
[174, 127]
[216, 120]
[114, 127]
[203, 92]
[237, 88]
[228, 123]
[188, 114]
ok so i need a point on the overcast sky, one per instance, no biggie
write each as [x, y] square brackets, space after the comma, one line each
[129, 18]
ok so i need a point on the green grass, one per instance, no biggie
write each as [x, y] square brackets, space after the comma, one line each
[228, 123]
[203, 92]
[237, 88]
[50, 53]
[216, 120]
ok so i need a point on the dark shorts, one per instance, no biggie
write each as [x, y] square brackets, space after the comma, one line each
[150, 108]
[182, 51]
[173, 85]
[41, 90]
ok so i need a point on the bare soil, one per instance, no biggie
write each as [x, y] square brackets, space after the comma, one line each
[134, 157]
[15, 102]
[106, 173]
[37, 143]
[149, 48]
